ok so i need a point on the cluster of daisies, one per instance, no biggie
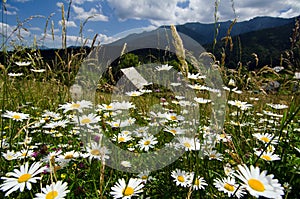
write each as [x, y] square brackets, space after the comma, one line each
[172, 125]
[255, 182]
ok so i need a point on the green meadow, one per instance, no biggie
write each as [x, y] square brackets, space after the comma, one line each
[57, 144]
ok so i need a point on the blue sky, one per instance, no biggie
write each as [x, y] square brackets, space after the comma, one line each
[112, 19]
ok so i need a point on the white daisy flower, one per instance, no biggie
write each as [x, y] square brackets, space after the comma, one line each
[10, 155]
[134, 93]
[198, 87]
[269, 113]
[56, 190]
[96, 151]
[141, 131]
[165, 67]
[106, 107]
[126, 191]
[51, 114]
[268, 156]
[175, 130]
[51, 156]
[15, 74]
[201, 100]
[182, 178]
[122, 137]
[147, 142]
[278, 106]
[60, 123]
[23, 63]
[223, 137]
[37, 70]
[266, 138]
[68, 155]
[228, 170]
[24, 153]
[79, 105]
[228, 185]
[259, 183]
[189, 144]
[231, 83]
[297, 75]
[241, 105]
[175, 84]
[123, 105]
[86, 120]
[194, 76]
[15, 116]
[173, 117]
[21, 178]
[126, 164]
[214, 155]
[199, 183]
[145, 176]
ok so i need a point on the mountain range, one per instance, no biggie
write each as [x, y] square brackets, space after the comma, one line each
[267, 37]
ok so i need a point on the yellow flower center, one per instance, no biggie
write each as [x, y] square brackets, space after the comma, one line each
[144, 177]
[229, 187]
[69, 156]
[173, 117]
[128, 191]
[265, 139]
[109, 107]
[9, 157]
[238, 104]
[147, 142]
[121, 139]
[75, 105]
[256, 185]
[86, 121]
[24, 178]
[17, 117]
[197, 182]
[186, 144]
[213, 156]
[95, 152]
[180, 178]
[266, 157]
[173, 131]
[51, 195]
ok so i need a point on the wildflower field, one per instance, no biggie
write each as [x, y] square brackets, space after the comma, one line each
[177, 140]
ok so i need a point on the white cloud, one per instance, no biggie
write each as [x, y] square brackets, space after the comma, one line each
[134, 30]
[79, 2]
[59, 4]
[11, 10]
[22, 1]
[73, 40]
[15, 35]
[35, 28]
[276, 8]
[93, 12]
[183, 11]
[68, 23]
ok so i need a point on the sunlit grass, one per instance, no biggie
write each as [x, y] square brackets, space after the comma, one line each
[41, 134]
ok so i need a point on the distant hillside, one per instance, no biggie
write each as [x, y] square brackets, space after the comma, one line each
[204, 33]
[268, 37]
[268, 44]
